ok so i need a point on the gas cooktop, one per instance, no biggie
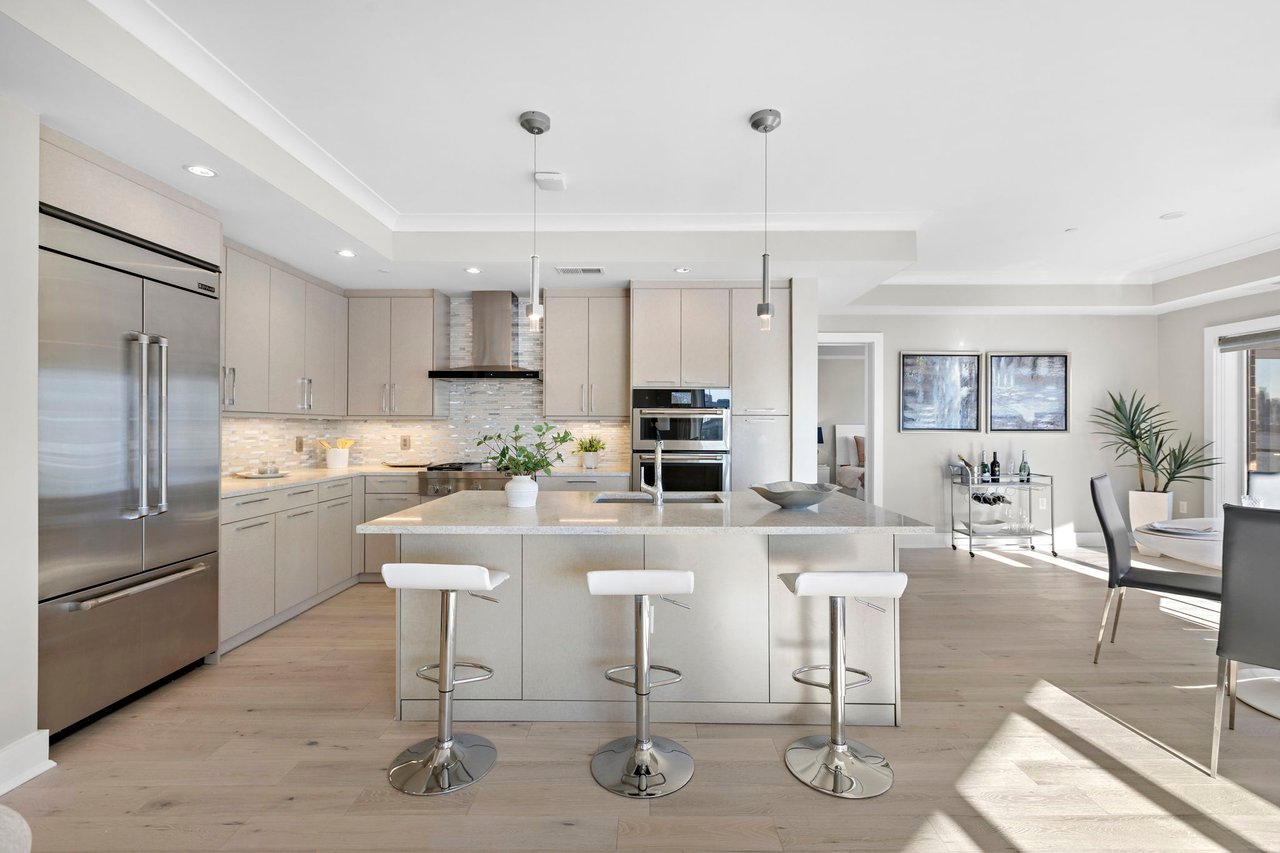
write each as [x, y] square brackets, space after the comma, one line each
[462, 466]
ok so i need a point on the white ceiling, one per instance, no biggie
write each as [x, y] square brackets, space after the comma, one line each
[988, 128]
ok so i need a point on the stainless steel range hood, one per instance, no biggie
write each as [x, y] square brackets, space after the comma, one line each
[494, 328]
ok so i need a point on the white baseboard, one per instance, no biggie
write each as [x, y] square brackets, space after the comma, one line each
[24, 759]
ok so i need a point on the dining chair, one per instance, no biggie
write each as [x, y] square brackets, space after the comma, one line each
[1265, 486]
[1248, 630]
[1122, 574]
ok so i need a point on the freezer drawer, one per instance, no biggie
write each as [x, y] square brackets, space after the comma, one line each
[100, 645]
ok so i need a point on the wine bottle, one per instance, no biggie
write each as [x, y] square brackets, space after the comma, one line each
[1024, 470]
[985, 472]
[995, 468]
[972, 473]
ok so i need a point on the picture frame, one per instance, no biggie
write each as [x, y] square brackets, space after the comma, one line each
[939, 391]
[1028, 392]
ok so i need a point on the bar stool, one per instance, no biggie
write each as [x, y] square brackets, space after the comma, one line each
[448, 761]
[831, 763]
[643, 766]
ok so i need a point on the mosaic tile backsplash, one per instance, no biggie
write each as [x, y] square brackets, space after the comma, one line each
[474, 408]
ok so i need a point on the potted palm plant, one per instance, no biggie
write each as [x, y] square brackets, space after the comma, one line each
[1145, 432]
[523, 454]
[590, 448]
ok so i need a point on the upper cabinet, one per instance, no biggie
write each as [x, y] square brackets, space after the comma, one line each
[680, 337]
[284, 341]
[761, 378]
[585, 357]
[393, 342]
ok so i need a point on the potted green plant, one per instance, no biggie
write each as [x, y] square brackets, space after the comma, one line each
[1145, 432]
[590, 448]
[523, 454]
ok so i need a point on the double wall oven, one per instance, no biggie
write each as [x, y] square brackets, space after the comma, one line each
[693, 424]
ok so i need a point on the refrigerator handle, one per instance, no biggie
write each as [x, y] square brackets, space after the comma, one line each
[233, 386]
[162, 440]
[144, 415]
[226, 385]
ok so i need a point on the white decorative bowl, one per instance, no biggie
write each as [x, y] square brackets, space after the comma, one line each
[987, 527]
[789, 494]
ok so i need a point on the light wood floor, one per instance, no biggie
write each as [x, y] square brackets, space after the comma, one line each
[1012, 740]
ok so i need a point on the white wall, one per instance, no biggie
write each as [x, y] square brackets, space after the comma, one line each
[1106, 353]
[24, 751]
[1182, 389]
[842, 399]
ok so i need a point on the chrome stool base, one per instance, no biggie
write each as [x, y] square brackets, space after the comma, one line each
[426, 769]
[852, 771]
[629, 769]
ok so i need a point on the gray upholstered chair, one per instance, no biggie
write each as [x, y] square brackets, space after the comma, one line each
[1265, 486]
[1248, 629]
[1122, 574]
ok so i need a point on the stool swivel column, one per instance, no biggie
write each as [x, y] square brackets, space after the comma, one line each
[447, 762]
[646, 765]
[832, 763]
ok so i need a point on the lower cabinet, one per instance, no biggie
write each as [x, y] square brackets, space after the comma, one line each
[246, 575]
[337, 526]
[297, 557]
[381, 548]
[761, 450]
[586, 482]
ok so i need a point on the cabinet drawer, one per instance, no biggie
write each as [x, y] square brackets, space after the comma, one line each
[393, 484]
[334, 489]
[301, 496]
[587, 483]
[249, 506]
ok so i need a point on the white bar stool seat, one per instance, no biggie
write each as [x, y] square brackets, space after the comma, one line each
[644, 766]
[447, 762]
[831, 763]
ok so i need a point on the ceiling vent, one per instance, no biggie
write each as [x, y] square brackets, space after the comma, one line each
[580, 270]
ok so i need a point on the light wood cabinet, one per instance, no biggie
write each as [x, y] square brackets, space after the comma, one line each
[655, 337]
[336, 527]
[761, 450]
[246, 574]
[761, 374]
[585, 357]
[704, 338]
[393, 343]
[246, 306]
[287, 344]
[321, 347]
[297, 551]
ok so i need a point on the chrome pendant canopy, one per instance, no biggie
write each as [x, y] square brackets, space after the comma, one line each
[765, 122]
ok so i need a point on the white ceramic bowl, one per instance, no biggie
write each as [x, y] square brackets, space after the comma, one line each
[789, 494]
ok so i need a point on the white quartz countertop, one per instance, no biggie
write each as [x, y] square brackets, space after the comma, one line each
[577, 513]
[234, 487]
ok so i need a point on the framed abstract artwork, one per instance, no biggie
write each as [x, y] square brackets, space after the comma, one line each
[940, 392]
[1027, 392]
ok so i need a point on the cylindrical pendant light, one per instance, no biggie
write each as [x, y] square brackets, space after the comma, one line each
[765, 122]
[536, 124]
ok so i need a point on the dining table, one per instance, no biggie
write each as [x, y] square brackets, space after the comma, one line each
[1199, 541]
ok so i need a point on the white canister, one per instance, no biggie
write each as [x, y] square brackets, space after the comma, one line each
[521, 491]
[337, 458]
[590, 460]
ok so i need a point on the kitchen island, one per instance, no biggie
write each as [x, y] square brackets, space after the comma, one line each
[549, 641]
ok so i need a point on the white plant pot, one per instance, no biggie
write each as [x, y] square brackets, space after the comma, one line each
[590, 460]
[521, 491]
[337, 458]
[1146, 507]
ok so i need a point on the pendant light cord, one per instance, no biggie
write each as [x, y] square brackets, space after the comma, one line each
[535, 193]
[766, 193]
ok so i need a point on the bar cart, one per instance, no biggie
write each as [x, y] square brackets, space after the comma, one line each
[1011, 502]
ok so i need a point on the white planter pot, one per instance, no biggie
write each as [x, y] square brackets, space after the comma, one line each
[521, 491]
[1146, 507]
[337, 458]
[590, 460]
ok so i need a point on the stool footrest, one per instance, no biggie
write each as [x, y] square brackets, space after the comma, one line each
[678, 675]
[485, 675]
[797, 675]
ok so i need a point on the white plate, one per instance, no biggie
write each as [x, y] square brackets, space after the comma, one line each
[421, 463]
[254, 475]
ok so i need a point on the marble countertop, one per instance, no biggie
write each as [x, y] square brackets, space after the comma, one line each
[234, 487]
[560, 513]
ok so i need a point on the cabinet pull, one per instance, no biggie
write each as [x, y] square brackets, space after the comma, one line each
[233, 385]
[660, 381]
[303, 492]
[395, 405]
[582, 398]
[336, 505]
[591, 397]
[761, 411]
[302, 389]
[584, 482]
[255, 524]
[760, 420]
[311, 394]
[300, 514]
[387, 498]
[384, 397]
[254, 501]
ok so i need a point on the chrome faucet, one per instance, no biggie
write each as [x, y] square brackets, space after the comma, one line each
[656, 489]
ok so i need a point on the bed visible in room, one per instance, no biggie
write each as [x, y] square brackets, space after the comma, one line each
[851, 459]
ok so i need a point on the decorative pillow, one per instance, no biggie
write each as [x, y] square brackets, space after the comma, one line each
[860, 442]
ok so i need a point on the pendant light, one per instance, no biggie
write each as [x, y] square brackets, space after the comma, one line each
[536, 124]
[765, 122]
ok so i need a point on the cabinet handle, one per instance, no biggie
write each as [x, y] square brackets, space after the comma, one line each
[302, 388]
[584, 482]
[336, 505]
[385, 498]
[582, 398]
[760, 410]
[226, 397]
[254, 501]
[395, 405]
[233, 386]
[300, 514]
[303, 492]
[384, 397]
[660, 381]
[311, 394]
[760, 420]
[591, 398]
[255, 524]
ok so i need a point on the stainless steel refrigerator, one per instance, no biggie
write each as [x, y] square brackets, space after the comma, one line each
[128, 465]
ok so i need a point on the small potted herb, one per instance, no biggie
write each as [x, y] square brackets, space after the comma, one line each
[590, 448]
[523, 454]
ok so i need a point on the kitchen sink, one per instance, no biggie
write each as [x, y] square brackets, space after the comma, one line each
[669, 497]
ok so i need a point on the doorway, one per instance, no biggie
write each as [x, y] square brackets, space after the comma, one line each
[851, 412]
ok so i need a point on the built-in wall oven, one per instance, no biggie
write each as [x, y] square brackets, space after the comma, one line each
[693, 424]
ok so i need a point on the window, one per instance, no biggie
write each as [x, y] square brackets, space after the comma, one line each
[1262, 421]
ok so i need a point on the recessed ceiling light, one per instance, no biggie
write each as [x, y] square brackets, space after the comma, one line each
[345, 253]
[682, 270]
[383, 269]
[473, 270]
[1174, 214]
[1069, 230]
[201, 171]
